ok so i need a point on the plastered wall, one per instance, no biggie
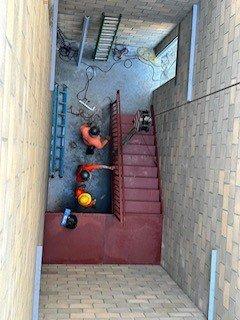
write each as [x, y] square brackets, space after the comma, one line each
[199, 145]
[24, 148]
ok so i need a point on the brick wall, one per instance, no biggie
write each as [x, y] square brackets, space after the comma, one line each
[24, 127]
[144, 23]
[200, 161]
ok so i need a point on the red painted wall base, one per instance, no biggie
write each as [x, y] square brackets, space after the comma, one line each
[102, 239]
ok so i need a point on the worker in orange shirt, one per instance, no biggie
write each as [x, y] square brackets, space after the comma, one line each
[84, 198]
[91, 137]
[83, 172]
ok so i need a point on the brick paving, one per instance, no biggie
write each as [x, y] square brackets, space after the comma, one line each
[112, 292]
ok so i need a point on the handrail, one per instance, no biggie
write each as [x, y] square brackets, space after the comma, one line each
[117, 160]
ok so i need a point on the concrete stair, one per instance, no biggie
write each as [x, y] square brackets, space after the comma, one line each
[140, 170]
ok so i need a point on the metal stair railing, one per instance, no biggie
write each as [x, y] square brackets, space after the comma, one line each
[117, 160]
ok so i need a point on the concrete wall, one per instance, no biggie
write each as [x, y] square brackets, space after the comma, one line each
[200, 161]
[24, 148]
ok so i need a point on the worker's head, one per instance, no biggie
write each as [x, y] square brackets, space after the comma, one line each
[84, 199]
[85, 175]
[94, 131]
[71, 221]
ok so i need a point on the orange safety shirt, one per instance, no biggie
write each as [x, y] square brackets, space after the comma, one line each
[91, 141]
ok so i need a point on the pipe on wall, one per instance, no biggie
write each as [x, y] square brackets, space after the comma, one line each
[37, 283]
[54, 44]
[212, 289]
[195, 10]
[83, 40]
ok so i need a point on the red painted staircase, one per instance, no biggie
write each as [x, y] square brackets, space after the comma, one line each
[140, 172]
[132, 233]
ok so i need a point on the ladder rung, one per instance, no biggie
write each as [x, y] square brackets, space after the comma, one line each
[101, 57]
[102, 54]
[107, 34]
[111, 25]
[111, 22]
[102, 48]
[111, 18]
[105, 47]
[104, 38]
[101, 51]
[105, 28]
[103, 44]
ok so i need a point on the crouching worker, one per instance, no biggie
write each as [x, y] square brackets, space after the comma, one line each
[84, 198]
[91, 137]
[83, 172]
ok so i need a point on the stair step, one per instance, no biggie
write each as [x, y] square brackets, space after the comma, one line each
[127, 118]
[127, 127]
[139, 139]
[139, 160]
[142, 207]
[140, 171]
[141, 194]
[140, 183]
[138, 150]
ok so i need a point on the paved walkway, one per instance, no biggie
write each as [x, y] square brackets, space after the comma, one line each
[112, 292]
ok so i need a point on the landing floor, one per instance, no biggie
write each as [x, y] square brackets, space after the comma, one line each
[112, 292]
[136, 86]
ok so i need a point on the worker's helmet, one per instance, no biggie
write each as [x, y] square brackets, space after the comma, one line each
[84, 199]
[94, 131]
[85, 175]
[71, 221]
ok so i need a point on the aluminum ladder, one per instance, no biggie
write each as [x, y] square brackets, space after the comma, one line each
[59, 114]
[106, 37]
